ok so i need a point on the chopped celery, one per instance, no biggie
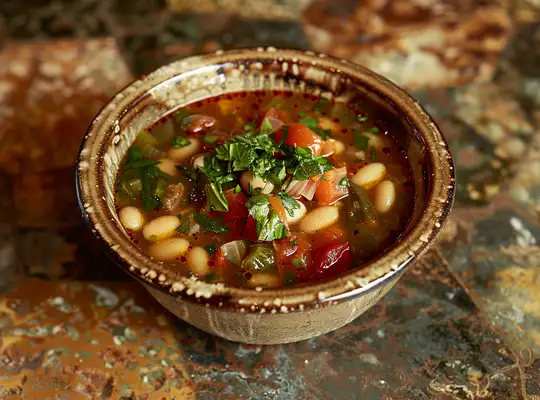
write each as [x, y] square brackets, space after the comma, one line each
[235, 251]
[261, 257]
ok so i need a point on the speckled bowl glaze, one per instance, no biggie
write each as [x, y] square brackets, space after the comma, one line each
[272, 315]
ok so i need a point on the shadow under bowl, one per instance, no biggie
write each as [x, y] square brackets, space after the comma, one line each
[272, 315]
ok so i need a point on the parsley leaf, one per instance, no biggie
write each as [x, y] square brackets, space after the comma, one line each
[210, 248]
[373, 154]
[153, 184]
[290, 278]
[268, 224]
[362, 118]
[312, 123]
[237, 189]
[210, 139]
[266, 127]
[179, 142]
[215, 198]
[343, 181]
[185, 226]
[298, 263]
[288, 202]
[211, 225]
[361, 141]
[374, 130]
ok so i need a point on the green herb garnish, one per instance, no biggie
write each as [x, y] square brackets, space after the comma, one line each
[237, 189]
[343, 181]
[211, 225]
[374, 130]
[210, 248]
[361, 141]
[312, 123]
[185, 226]
[268, 224]
[290, 278]
[373, 154]
[210, 139]
[179, 142]
[303, 165]
[298, 263]
[210, 276]
[288, 202]
[215, 198]
[293, 243]
[362, 118]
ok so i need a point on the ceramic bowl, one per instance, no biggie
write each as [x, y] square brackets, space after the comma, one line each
[274, 315]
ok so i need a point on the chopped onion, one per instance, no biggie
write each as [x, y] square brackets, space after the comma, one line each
[305, 188]
[275, 123]
[328, 148]
[235, 251]
[196, 123]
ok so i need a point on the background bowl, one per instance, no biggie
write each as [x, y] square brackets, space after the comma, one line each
[274, 315]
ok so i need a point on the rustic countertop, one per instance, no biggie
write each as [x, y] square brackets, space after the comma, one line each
[464, 323]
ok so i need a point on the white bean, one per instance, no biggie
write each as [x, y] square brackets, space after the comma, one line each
[319, 218]
[249, 183]
[264, 280]
[168, 249]
[385, 196]
[339, 147]
[197, 259]
[198, 161]
[167, 166]
[298, 213]
[131, 218]
[369, 175]
[161, 228]
[184, 153]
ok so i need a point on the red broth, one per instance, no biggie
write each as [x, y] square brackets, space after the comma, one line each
[265, 189]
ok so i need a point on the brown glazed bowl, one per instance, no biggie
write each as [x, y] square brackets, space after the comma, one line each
[272, 315]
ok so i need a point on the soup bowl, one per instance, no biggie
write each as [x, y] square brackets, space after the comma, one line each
[286, 314]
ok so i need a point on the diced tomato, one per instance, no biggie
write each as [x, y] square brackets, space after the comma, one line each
[293, 255]
[334, 234]
[331, 260]
[237, 206]
[329, 190]
[250, 231]
[219, 260]
[276, 113]
[300, 135]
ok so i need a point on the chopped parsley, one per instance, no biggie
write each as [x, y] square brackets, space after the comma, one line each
[179, 142]
[185, 226]
[293, 243]
[211, 225]
[234, 112]
[303, 165]
[290, 278]
[237, 189]
[249, 126]
[268, 224]
[361, 141]
[302, 114]
[210, 139]
[210, 276]
[374, 130]
[343, 181]
[215, 198]
[312, 123]
[288, 202]
[373, 154]
[298, 263]
[210, 248]
[362, 118]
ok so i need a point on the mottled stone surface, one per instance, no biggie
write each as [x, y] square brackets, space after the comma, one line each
[452, 42]
[463, 324]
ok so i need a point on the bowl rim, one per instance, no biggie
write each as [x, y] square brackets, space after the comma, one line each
[357, 282]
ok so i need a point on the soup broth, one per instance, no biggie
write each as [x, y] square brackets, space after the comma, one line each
[265, 189]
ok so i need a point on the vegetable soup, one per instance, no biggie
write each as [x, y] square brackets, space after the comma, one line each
[265, 189]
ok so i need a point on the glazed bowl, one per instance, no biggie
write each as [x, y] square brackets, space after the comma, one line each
[272, 315]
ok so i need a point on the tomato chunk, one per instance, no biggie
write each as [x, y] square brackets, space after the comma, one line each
[250, 231]
[331, 260]
[334, 234]
[329, 190]
[237, 206]
[300, 135]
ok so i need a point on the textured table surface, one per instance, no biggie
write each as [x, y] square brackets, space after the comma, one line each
[464, 323]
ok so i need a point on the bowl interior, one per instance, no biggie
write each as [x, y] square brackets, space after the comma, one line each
[184, 82]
